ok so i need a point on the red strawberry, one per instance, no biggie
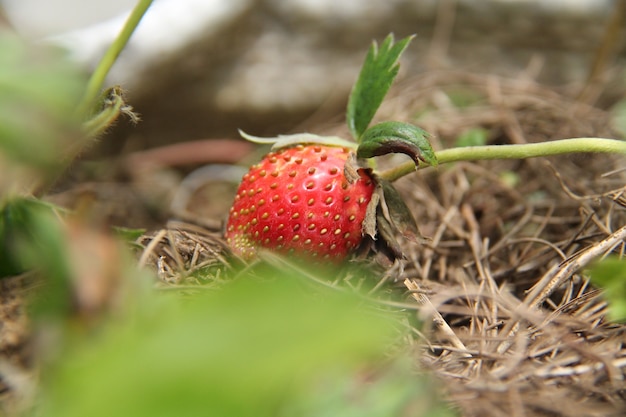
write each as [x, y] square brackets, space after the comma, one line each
[297, 200]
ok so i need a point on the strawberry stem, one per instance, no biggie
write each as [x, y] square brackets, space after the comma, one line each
[523, 151]
[97, 78]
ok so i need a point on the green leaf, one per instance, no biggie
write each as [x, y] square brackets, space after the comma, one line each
[249, 349]
[397, 391]
[618, 119]
[39, 89]
[510, 179]
[377, 74]
[610, 274]
[128, 235]
[26, 225]
[472, 137]
[397, 137]
[31, 237]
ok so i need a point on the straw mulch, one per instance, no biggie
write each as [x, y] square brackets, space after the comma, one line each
[512, 326]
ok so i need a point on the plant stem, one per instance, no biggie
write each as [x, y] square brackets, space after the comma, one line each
[96, 81]
[523, 151]
[113, 105]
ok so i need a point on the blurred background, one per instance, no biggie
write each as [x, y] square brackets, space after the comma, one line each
[200, 69]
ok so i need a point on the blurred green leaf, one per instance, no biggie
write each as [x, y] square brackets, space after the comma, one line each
[29, 235]
[472, 137]
[244, 350]
[31, 238]
[39, 89]
[619, 117]
[395, 391]
[510, 178]
[463, 96]
[610, 275]
[128, 235]
[377, 74]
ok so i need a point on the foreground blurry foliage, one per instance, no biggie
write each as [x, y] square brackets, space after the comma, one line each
[39, 90]
[252, 348]
[610, 274]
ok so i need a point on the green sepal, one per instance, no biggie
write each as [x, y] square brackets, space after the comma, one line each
[397, 137]
[377, 74]
[388, 216]
[388, 244]
[285, 141]
[398, 213]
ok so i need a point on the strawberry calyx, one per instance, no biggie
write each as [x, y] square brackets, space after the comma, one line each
[386, 218]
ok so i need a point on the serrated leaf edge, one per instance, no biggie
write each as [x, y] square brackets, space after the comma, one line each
[385, 57]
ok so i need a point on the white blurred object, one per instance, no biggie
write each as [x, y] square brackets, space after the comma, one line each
[167, 26]
[40, 18]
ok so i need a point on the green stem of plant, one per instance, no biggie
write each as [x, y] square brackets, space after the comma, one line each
[96, 81]
[523, 151]
[105, 118]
